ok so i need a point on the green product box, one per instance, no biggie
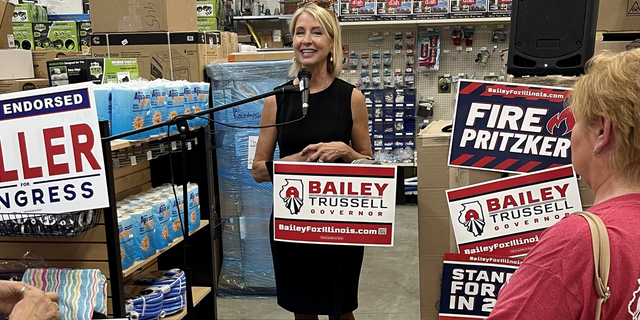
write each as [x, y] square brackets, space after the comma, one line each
[96, 70]
[207, 8]
[207, 24]
[27, 12]
[58, 35]
[84, 35]
[23, 35]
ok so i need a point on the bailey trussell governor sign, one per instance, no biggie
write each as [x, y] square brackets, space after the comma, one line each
[510, 127]
[338, 204]
[50, 152]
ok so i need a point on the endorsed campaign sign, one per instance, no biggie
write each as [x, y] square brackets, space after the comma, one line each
[510, 127]
[470, 284]
[50, 151]
[506, 217]
[341, 204]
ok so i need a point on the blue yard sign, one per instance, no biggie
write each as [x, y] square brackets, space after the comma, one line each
[510, 127]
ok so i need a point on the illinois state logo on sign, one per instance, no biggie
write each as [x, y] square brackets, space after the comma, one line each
[292, 195]
[510, 127]
[472, 218]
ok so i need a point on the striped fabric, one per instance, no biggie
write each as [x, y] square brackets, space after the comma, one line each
[81, 291]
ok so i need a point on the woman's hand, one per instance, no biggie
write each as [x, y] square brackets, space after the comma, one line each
[10, 294]
[296, 157]
[328, 152]
[36, 305]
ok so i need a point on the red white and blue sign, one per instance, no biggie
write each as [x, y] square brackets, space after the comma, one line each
[510, 127]
[339, 204]
[506, 217]
[50, 151]
[470, 284]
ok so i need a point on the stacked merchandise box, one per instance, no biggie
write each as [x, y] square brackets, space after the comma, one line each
[8, 86]
[435, 234]
[207, 12]
[27, 12]
[468, 9]
[56, 35]
[172, 56]
[392, 123]
[98, 71]
[357, 10]
[110, 16]
[245, 205]
[6, 30]
[41, 57]
[430, 9]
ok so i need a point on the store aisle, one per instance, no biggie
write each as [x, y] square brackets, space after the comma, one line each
[389, 284]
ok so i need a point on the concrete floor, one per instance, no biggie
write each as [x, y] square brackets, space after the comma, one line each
[389, 283]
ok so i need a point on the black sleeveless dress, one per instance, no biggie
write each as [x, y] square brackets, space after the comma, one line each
[310, 277]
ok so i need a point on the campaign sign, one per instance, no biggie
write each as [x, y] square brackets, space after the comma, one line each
[341, 204]
[506, 217]
[50, 151]
[510, 127]
[470, 284]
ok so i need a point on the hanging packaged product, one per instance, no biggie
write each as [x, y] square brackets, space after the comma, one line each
[375, 78]
[468, 37]
[398, 79]
[397, 40]
[468, 9]
[430, 9]
[444, 84]
[499, 8]
[345, 57]
[409, 78]
[386, 59]
[365, 79]
[409, 58]
[429, 42]
[394, 9]
[387, 78]
[409, 40]
[457, 35]
[376, 60]
[364, 60]
[353, 61]
[357, 10]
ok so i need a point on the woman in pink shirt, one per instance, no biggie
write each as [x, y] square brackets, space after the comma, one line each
[556, 280]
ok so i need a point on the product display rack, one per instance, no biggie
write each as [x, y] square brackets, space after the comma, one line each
[99, 248]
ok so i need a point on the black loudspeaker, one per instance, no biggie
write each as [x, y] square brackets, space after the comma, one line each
[551, 36]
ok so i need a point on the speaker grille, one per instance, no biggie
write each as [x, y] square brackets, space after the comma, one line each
[522, 62]
[571, 62]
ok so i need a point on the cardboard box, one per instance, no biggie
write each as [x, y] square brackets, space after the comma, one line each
[260, 56]
[26, 12]
[460, 10]
[613, 46]
[499, 8]
[224, 41]
[234, 40]
[23, 35]
[173, 56]
[98, 71]
[65, 6]
[364, 10]
[56, 35]
[16, 64]
[6, 27]
[436, 9]
[8, 86]
[85, 30]
[435, 232]
[619, 15]
[394, 9]
[41, 57]
[143, 16]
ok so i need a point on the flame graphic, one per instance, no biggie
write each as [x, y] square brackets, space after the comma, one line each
[567, 116]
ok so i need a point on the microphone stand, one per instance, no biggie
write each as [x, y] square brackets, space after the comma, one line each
[183, 128]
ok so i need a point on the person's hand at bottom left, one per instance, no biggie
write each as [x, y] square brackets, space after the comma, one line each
[36, 305]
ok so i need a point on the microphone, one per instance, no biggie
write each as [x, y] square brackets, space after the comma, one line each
[304, 75]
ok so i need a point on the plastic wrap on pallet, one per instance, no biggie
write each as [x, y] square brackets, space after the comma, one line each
[247, 267]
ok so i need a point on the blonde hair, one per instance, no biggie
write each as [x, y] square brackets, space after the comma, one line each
[610, 88]
[329, 23]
